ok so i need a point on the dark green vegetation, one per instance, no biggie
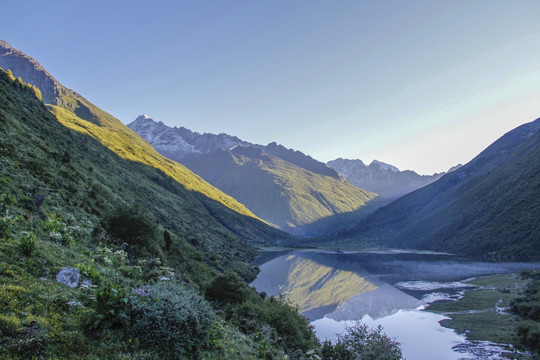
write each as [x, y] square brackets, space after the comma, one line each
[488, 208]
[527, 306]
[58, 213]
[298, 200]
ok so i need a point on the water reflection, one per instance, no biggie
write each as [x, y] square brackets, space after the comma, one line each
[388, 288]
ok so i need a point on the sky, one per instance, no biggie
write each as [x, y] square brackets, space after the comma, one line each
[422, 85]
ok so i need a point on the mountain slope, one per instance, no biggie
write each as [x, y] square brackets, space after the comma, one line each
[285, 187]
[297, 200]
[383, 179]
[76, 112]
[70, 204]
[489, 207]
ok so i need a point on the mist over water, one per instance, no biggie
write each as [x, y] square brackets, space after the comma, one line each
[385, 288]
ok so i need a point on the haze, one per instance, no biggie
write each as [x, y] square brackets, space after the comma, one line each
[420, 85]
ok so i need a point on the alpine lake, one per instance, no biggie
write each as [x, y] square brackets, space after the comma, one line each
[438, 306]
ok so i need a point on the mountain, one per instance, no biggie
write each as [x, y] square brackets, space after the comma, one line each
[297, 200]
[285, 187]
[488, 207]
[384, 179]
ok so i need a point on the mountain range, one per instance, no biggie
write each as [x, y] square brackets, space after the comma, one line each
[384, 179]
[485, 208]
[285, 187]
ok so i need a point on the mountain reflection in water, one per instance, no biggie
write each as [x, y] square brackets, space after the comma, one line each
[331, 286]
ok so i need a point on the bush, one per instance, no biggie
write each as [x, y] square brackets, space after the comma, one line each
[227, 288]
[362, 343]
[134, 226]
[171, 319]
[529, 333]
[90, 271]
[278, 322]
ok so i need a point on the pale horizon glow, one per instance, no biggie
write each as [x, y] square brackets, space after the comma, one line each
[420, 85]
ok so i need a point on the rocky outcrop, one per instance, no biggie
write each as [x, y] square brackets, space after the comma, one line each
[28, 69]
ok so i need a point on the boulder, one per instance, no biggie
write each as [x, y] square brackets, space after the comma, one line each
[69, 276]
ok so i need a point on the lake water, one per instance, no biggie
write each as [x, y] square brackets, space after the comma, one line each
[388, 288]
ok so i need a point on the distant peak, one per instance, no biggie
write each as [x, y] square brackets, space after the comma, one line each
[384, 166]
[144, 118]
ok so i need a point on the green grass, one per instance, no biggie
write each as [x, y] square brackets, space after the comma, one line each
[476, 315]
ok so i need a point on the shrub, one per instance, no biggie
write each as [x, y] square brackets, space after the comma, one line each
[168, 240]
[134, 226]
[27, 243]
[4, 227]
[278, 322]
[109, 304]
[9, 324]
[170, 318]
[529, 333]
[360, 342]
[227, 288]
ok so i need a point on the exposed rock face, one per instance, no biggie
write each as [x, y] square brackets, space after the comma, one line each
[25, 67]
[383, 179]
[179, 143]
[69, 276]
[30, 71]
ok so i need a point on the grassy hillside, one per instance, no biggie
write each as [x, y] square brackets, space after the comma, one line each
[295, 199]
[488, 208]
[152, 250]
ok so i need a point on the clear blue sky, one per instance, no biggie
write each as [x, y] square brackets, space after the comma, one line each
[422, 85]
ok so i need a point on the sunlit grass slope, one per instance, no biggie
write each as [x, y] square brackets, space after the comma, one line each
[282, 193]
[127, 144]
